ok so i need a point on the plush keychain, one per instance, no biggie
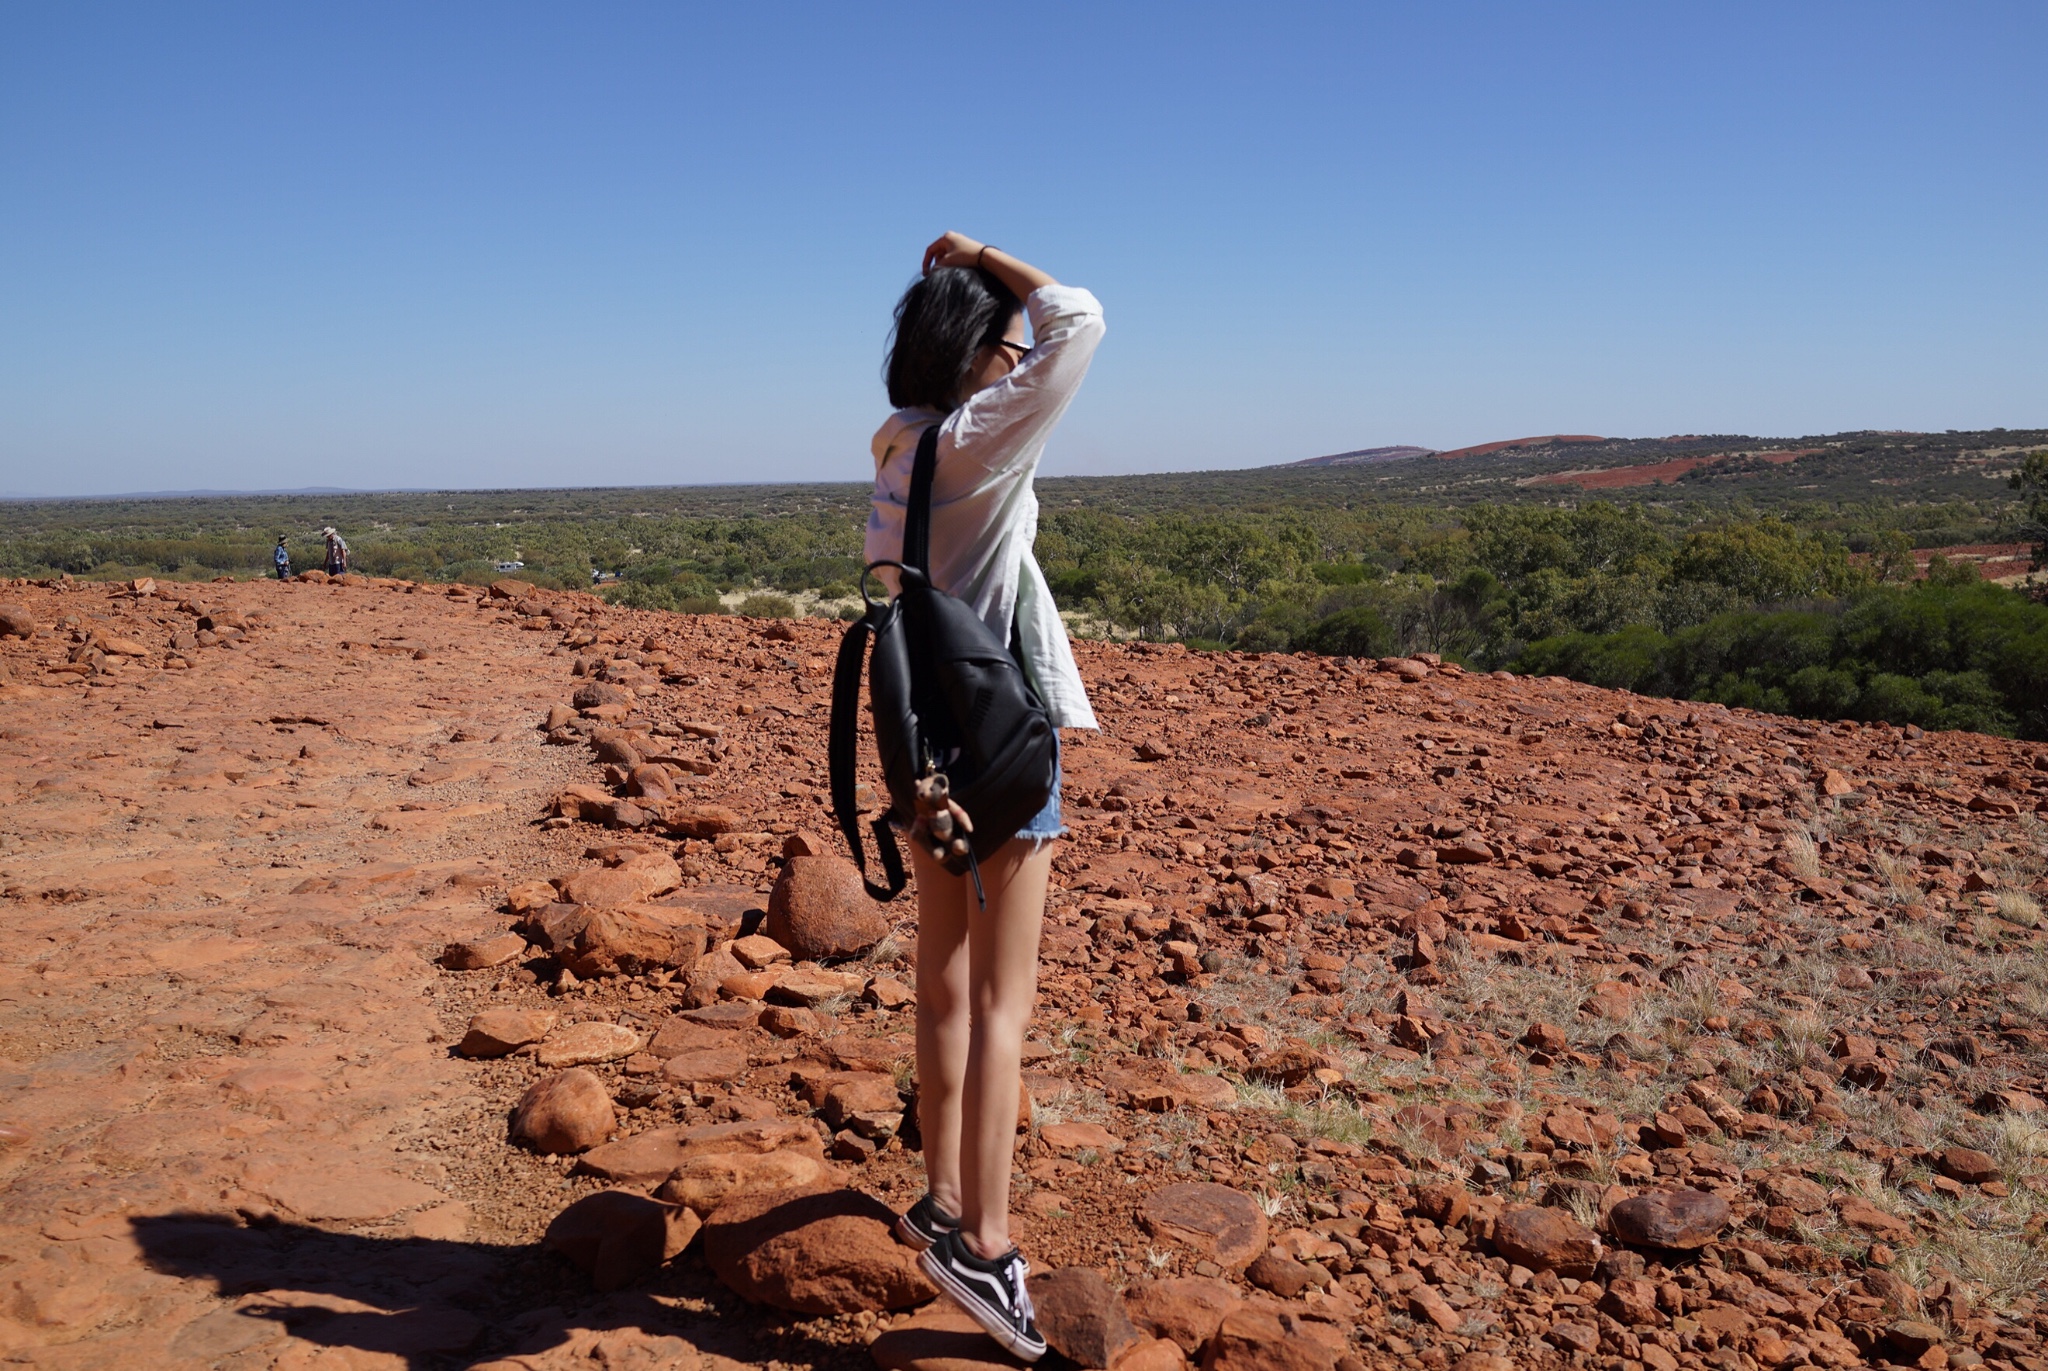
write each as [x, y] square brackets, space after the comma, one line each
[941, 825]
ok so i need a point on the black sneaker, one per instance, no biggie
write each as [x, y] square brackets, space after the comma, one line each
[991, 1290]
[924, 1223]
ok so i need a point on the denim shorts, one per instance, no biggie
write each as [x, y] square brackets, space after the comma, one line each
[1044, 826]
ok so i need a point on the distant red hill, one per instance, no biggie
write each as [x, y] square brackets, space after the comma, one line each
[1659, 473]
[1482, 449]
[1365, 456]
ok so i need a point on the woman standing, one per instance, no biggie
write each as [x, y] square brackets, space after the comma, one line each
[959, 359]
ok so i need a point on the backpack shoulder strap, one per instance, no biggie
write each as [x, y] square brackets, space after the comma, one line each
[841, 751]
[917, 515]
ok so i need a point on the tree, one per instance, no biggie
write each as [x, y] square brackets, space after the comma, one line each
[1892, 557]
[1767, 561]
[2031, 480]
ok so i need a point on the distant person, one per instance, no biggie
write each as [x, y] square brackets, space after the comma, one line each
[958, 360]
[337, 552]
[282, 560]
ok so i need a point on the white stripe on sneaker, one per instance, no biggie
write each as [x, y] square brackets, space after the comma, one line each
[986, 1297]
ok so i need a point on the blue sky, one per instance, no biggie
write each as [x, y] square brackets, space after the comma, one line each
[425, 244]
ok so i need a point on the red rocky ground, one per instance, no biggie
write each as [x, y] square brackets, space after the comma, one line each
[1390, 1014]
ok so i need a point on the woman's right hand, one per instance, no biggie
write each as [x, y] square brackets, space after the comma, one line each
[958, 250]
[953, 250]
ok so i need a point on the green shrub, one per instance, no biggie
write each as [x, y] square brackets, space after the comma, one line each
[767, 605]
[1355, 632]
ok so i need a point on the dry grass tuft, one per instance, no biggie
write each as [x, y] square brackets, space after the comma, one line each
[1897, 875]
[1583, 1207]
[2018, 907]
[1802, 854]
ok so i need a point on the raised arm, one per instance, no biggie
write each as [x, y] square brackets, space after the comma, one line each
[958, 250]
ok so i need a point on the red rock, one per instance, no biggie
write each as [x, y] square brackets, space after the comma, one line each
[1213, 1221]
[889, 993]
[650, 1158]
[617, 1237]
[786, 1021]
[498, 1032]
[939, 1337]
[757, 952]
[587, 1044]
[814, 989]
[1260, 1339]
[1443, 1205]
[1582, 1338]
[1186, 1310]
[703, 1181]
[1493, 1361]
[701, 821]
[851, 1052]
[566, 1112]
[1287, 1066]
[1909, 1339]
[627, 941]
[707, 1068]
[530, 897]
[1081, 1318]
[1425, 1303]
[1076, 1137]
[1152, 1354]
[751, 985]
[16, 622]
[611, 886]
[1545, 1037]
[1899, 1297]
[597, 694]
[1858, 1212]
[819, 909]
[1544, 1239]
[1631, 1300]
[804, 843]
[1680, 1219]
[813, 1251]
[2009, 1101]
[1796, 1193]
[476, 954]
[678, 1035]
[728, 1016]
[862, 1094]
[1282, 1275]
[1966, 1164]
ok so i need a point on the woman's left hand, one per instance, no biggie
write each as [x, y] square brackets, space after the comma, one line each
[952, 250]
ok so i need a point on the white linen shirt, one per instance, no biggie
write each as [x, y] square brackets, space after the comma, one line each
[984, 512]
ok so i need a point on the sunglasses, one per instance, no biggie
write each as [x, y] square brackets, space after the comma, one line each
[1022, 350]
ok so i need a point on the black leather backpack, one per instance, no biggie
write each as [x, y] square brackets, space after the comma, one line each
[947, 696]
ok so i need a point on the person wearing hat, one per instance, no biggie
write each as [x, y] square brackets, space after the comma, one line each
[337, 552]
[282, 560]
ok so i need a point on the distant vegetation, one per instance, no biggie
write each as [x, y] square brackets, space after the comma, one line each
[1747, 574]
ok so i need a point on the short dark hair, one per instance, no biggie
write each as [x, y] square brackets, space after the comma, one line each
[941, 322]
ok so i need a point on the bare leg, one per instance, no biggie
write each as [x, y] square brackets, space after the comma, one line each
[943, 902]
[1003, 981]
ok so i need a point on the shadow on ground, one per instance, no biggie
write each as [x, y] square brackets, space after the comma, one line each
[443, 1305]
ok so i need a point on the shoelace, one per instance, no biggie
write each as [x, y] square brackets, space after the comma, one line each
[1019, 1269]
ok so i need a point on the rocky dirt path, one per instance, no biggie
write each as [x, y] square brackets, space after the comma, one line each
[1390, 1015]
[234, 1131]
